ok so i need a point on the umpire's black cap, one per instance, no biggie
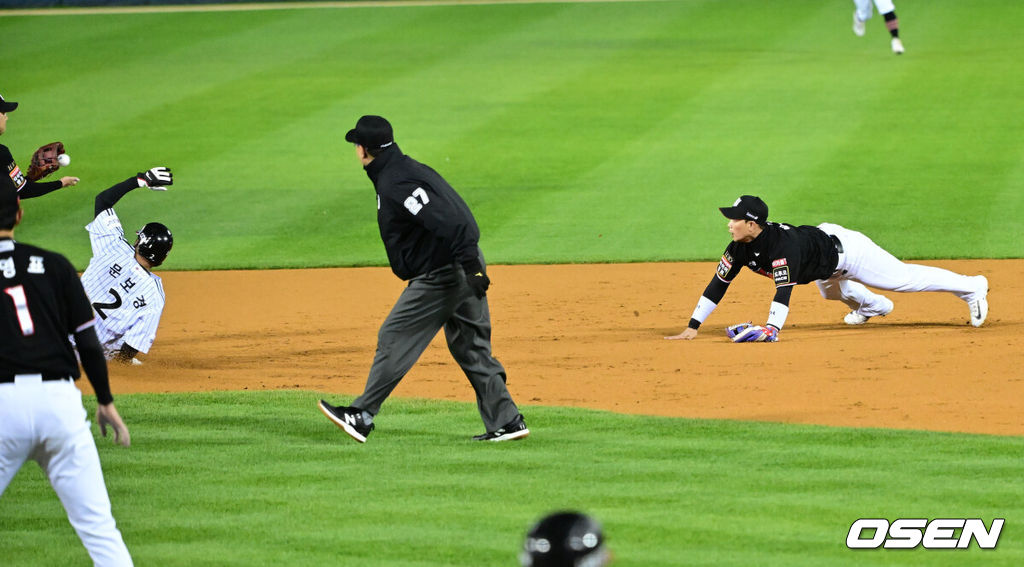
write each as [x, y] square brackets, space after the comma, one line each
[747, 207]
[7, 106]
[372, 132]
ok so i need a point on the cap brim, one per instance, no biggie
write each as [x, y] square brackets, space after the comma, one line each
[733, 213]
[351, 136]
[7, 106]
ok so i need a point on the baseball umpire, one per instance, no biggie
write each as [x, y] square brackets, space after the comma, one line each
[565, 539]
[127, 296]
[25, 187]
[839, 260]
[431, 240]
[41, 413]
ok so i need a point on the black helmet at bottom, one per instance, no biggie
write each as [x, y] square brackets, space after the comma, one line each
[155, 241]
[565, 539]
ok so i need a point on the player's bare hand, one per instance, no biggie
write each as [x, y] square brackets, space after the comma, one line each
[106, 414]
[69, 181]
[686, 335]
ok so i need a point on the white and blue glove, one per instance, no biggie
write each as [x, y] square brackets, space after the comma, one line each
[748, 333]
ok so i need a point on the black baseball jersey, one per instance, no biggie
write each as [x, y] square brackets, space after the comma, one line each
[41, 304]
[423, 222]
[788, 254]
[16, 178]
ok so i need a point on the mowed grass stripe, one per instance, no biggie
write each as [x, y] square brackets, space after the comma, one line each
[577, 132]
[260, 478]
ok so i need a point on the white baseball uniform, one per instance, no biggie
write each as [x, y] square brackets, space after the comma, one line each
[864, 262]
[45, 421]
[864, 8]
[127, 298]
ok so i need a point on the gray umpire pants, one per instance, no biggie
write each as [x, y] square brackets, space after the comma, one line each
[437, 299]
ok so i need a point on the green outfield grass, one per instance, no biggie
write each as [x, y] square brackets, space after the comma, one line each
[577, 132]
[263, 479]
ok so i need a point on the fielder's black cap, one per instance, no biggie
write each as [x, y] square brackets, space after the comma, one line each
[371, 132]
[6, 106]
[747, 207]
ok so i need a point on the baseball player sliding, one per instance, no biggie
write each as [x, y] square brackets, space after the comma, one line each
[840, 261]
[127, 297]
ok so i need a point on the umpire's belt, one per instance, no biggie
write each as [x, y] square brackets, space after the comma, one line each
[8, 378]
[835, 241]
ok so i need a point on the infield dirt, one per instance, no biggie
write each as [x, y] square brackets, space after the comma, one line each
[593, 336]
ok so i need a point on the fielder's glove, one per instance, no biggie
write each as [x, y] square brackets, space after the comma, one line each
[477, 279]
[44, 161]
[747, 333]
[156, 179]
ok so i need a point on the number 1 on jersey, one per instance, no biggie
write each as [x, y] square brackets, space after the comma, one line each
[17, 293]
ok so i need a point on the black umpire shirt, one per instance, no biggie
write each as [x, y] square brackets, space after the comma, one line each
[16, 178]
[423, 222]
[788, 254]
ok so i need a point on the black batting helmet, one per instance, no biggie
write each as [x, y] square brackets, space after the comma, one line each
[155, 241]
[564, 539]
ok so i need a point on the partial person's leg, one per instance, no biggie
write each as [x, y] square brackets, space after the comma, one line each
[68, 456]
[420, 312]
[862, 10]
[468, 332]
[870, 264]
[16, 439]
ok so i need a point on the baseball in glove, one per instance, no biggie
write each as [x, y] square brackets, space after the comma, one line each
[44, 161]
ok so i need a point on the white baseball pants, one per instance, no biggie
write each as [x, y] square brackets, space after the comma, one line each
[864, 8]
[46, 422]
[865, 263]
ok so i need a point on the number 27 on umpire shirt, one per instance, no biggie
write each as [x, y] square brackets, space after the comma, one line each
[127, 298]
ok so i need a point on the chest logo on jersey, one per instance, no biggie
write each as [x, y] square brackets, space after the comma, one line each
[779, 262]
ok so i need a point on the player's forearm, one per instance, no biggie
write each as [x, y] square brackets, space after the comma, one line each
[779, 310]
[94, 364]
[708, 301]
[109, 197]
[33, 189]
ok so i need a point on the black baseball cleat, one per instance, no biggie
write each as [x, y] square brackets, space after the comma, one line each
[515, 429]
[349, 419]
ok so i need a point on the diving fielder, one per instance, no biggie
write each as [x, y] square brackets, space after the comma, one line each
[839, 260]
[127, 297]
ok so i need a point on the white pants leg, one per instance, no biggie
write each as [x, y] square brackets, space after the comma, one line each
[59, 439]
[863, 8]
[884, 6]
[865, 262]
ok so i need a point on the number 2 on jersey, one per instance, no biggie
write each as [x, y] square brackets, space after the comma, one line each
[17, 293]
[112, 305]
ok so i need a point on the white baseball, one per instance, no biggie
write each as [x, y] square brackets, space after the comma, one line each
[64, 160]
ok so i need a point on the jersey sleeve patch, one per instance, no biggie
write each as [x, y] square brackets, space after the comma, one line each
[781, 274]
[725, 265]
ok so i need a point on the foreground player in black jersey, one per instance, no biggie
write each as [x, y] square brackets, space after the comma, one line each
[431, 238]
[41, 415]
[840, 261]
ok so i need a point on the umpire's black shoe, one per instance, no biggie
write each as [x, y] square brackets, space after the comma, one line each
[515, 429]
[348, 418]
